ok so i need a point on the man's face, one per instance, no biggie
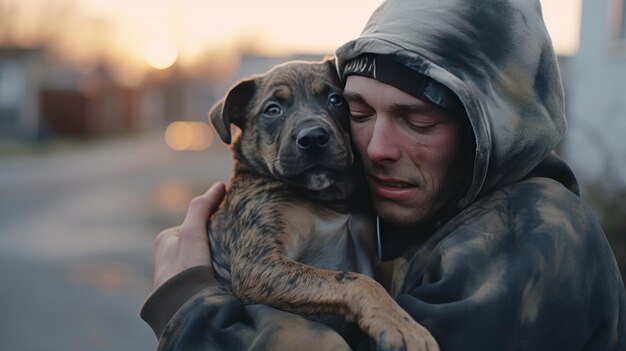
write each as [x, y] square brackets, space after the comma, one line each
[411, 150]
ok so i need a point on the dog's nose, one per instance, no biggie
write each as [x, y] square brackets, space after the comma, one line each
[313, 139]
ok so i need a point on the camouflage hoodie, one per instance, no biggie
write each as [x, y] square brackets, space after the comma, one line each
[522, 265]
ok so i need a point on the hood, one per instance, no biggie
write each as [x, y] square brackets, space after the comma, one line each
[497, 57]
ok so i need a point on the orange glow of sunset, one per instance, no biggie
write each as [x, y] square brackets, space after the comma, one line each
[281, 27]
[159, 33]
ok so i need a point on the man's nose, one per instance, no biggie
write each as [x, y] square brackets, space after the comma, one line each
[383, 144]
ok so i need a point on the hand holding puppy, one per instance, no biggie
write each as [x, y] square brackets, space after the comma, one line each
[185, 246]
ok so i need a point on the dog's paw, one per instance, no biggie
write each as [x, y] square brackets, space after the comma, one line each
[399, 332]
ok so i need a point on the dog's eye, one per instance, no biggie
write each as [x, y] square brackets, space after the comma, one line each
[335, 99]
[273, 110]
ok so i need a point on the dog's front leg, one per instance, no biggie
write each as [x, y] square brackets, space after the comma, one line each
[271, 278]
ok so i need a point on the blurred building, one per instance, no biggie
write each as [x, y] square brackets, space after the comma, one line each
[20, 87]
[252, 64]
[41, 97]
[173, 95]
[595, 145]
[86, 103]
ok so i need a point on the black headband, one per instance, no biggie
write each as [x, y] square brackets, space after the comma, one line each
[389, 71]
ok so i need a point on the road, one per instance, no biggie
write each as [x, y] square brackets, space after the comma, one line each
[76, 239]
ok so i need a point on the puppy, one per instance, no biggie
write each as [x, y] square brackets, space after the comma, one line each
[288, 234]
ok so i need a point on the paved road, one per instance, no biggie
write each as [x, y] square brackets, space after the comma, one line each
[76, 239]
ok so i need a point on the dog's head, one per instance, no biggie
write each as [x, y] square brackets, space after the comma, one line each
[293, 123]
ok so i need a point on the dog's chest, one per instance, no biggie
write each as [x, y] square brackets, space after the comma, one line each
[327, 239]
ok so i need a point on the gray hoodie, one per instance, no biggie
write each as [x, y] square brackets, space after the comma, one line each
[497, 57]
[521, 265]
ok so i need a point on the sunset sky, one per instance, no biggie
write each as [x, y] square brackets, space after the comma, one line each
[159, 31]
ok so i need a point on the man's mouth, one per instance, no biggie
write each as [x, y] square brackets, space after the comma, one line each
[393, 189]
[393, 183]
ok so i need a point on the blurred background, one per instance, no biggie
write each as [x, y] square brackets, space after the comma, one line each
[104, 140]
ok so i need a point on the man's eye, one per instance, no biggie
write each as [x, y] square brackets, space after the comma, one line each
[424, 128]
[273, 110]
[421, 125]
[335, 99]
[359, 116]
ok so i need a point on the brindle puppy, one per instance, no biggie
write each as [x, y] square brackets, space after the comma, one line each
[288, 206]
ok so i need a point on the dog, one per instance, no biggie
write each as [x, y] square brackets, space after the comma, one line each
[289, 233]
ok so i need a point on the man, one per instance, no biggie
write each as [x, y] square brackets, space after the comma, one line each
[456, 107]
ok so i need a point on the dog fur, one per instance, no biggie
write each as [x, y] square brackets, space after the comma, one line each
[290, 200]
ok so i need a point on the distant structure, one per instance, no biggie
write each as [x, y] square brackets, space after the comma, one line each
[20, 84]
[41, 97]
[595, 145]
[251, 64]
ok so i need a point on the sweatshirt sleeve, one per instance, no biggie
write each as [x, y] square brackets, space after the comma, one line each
[192, 311]
[163, 303]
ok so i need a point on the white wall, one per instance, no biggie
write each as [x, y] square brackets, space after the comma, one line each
[595, 145]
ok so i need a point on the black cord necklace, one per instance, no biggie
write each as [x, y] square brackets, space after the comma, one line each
[379, 245]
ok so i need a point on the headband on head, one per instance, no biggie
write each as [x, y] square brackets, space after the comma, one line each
[386, 70]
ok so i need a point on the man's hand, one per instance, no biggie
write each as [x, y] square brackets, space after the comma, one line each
[186, 246]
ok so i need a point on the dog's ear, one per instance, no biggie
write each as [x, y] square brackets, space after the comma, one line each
[232, 109]
[331, 64]
[331, 61]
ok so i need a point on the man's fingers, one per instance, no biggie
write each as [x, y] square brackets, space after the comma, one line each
[167, 233]
[183, 247]
[203, 206]
[214, 195]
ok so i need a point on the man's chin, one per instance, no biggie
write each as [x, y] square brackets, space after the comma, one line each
[397, 216]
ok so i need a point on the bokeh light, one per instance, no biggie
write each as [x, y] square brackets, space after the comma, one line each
[161, 54]
[188, 136]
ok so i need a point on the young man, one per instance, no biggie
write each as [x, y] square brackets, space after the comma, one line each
[456, 107]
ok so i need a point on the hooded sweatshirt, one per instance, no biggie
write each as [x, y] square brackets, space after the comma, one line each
[521, 265]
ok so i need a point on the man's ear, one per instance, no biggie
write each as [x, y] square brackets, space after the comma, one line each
[232, 109]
